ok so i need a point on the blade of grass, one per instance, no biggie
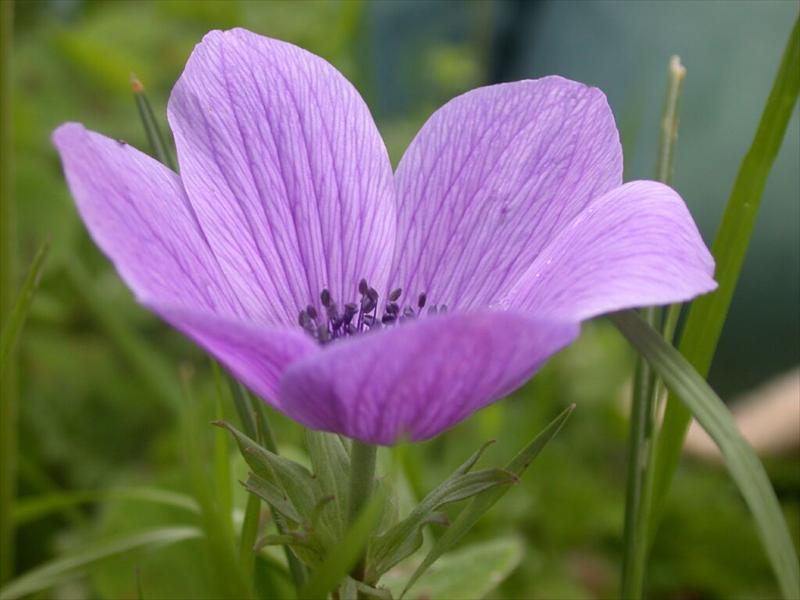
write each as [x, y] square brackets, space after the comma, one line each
[742, 463]
[31, 508]
[145, 359]
[67, 567]
[646, 389]
[158, 143]
[8, 285]
[19, 313]
[707, 314]
[222, 458]
[231, 579]
[478, 506]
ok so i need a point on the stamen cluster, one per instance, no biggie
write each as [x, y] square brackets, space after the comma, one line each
[357, 317]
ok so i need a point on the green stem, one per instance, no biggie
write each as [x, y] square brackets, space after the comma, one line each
[8, 281]
[707, 314]
[646, 388]
[362, 480]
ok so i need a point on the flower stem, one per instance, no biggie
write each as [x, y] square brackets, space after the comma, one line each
[362, 479]
[8, 286]
[646, 391]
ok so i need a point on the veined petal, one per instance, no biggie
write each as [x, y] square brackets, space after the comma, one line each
[421, 377]
[286, 170]
[491, 178]
[635, 246]
[137, 212]
[257, 355]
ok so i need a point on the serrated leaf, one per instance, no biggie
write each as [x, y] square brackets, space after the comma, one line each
[272, 495]
[340, 560]
[484, 501]
[405, 538]
[294, 479]
[331, 465]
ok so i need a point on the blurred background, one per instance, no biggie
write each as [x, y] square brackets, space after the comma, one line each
[98, 374]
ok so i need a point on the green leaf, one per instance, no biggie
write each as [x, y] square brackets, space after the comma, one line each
[742, 462]
[19, 313]
[405, 538]
[294, 479]
[340, 560]
[331, 465]
[469, 573]
[707, 314]
[64, 568]
[30, 508]
[483, 502]
[272, 495]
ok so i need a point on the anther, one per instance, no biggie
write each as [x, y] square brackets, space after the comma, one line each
[325, 296]
[363, 287]
[423, 298]
[311, 312]
[395, 294]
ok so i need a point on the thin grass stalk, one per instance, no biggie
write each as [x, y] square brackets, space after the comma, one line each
[255, 423]
[231, 579]
[222, 458]
[158, 142]
[646, 388]
[707, 315]
[8, 281]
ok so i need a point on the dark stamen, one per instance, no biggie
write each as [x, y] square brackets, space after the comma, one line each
[325, 296]
[362, 315]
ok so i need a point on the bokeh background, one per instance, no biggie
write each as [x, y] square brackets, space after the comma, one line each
[98, 381]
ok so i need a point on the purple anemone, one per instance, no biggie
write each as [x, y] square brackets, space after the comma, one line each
[374, 304]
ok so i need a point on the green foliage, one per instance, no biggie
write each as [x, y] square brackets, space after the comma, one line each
[707, 314]
[741, 460]
[99, 401]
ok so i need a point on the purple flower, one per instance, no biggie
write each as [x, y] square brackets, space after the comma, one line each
[373, 304]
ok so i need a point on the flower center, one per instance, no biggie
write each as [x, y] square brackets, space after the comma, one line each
[361, 316]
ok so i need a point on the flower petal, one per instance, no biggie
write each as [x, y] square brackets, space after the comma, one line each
[137, 212]
[286, 170]
[635, 246]
[421, 377]
[256, 355]
[492, 176]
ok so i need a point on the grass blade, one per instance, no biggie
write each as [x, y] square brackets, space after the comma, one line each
[158, 142]
[217, 528]
[12, 327]
[646, 390]
[142, 357]
[8, 286]
[742, 462]
[61, 569]
[483, 502]
[36, 507]
[707, 314]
